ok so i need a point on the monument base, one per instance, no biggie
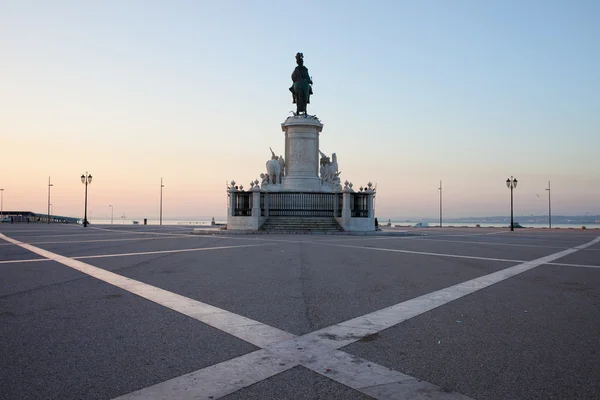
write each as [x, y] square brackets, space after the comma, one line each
[302, 153]
[302, 184]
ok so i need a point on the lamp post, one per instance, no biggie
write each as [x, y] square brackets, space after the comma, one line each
[111, 213]
[123, 218]
[440, 189]
[49, 185]
[511, 184]
[161, 187]
[86, 179]
[1, 204]
[549, 209]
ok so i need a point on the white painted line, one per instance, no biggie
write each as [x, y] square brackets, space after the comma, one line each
[375, 380]
[241, 327]
[282, 350]
[413, 236]
[217, 380]
[144, 232]
[314, 350]
[381, 249]
[23, 261]
[109, 240]
[80, 234]
[575, 265]
[350, 331]
[424, 253]
[432, 239]
[141, 253]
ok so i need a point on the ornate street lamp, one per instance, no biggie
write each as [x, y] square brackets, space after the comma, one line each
[49, 186]
[86, 179]
[440, 189]
[549, 209]
[511, 183]
[161, 188]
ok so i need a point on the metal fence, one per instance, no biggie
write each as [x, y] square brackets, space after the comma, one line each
[339, 198]
[302, 204]
[359, 205]
[243, 204]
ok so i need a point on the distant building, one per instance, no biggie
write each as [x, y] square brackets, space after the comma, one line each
[30, 216]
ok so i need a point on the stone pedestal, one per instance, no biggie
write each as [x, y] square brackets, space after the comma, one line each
[302, 153]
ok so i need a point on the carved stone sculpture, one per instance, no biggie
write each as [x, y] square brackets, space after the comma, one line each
[274, 171]
[282, 165]
[329, 169]
[264, 180]
[281, 161]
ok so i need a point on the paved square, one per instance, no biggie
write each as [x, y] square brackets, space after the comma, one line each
[158, 313]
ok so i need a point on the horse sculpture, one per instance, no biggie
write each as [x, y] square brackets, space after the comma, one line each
[329, 169]
[274, 171]
[301, 88]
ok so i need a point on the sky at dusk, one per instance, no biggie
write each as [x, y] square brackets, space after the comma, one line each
[409, 92]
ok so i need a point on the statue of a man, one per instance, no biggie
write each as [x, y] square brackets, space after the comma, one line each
[301, 88]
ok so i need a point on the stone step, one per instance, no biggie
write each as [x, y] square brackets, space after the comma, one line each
[297, 224]
[301, 227]
[300, 224]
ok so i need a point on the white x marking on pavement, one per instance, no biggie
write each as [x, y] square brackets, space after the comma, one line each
[280, 351]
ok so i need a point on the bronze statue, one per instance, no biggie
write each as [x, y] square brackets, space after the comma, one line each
[301, 89]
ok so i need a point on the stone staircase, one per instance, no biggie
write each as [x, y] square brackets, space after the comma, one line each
[301, 225]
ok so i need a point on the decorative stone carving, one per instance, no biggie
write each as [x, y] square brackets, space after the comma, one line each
[282, 165]
[279, 176]
[265, 180]
[329, 168]
[274, 171]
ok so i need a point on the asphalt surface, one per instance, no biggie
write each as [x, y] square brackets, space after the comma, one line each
[67, 335]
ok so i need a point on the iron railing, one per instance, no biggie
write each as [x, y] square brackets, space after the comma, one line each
[301, 204]
[359, 205]
[262, 204]
[243, 204]
[339, 198]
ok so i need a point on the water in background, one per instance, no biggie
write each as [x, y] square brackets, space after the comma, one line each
[181, 222]
[382, 223]
[447, 224]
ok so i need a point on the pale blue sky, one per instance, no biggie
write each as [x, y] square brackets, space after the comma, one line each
[469, 92]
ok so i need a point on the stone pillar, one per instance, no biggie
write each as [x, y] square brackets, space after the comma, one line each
[255, 201]
[302, 153]
[371, 203]
[346, 212]
[267, 203]
[231, 207]
[231, 204]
